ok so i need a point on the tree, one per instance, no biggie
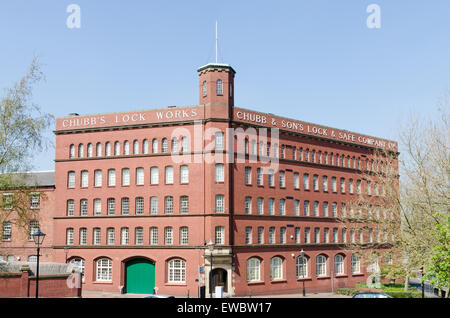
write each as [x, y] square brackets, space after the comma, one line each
[22, 127]
[413, 196]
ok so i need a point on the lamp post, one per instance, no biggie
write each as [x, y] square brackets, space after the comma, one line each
[302, 254]
[38, 238]
[210, 248]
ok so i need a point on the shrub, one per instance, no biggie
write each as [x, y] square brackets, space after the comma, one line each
[402, 294]
[347, 291]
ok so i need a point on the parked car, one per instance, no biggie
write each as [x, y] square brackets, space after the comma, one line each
[371, 295]
[159, 296]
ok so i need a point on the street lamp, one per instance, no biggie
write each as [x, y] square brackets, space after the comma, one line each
[210, 248]
[38, 238]
[302, 254]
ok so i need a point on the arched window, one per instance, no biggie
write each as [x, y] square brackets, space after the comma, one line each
[104, 269]
[108, 149]
[339, 264]
[126, 147]
[321, 265]
[356, 264]
[165, 145]
[204, 88]
[276, 268]
[145, 146]
[135, 147]
[155, 145]
[176, 271]
[174, 144]
[80, 151]
[72, 151]
[219, 88]
[253, 269]
[116, 148]
[302, 267]
[98, 149]
[90, 150]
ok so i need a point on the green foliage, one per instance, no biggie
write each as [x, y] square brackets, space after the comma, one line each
[347, 291]
[402, 294]
[438, 271]
[392, 271]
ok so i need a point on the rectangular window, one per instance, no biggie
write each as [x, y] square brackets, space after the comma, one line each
[271, 206]
[125, 206]
[111, 205]
[168, 236]
[35, 199]
[248, 205]
[124, 236]
[307, 235]
[342, 185]
[110, 236]
[111, 177]
[316, 235]
[139, 236]
[125, 177]
[248, 235]
[168, 205]
[248, 175]
[71, 179]
[259, 177]
[220, 172]
[315, 182]
[325, 183]
[96, 236]
[333, 184]
[184, 174]
[154, 175]
[154, 205]
[84, 179]
[184, 235]
[139, 206]
[282, 179]
[271, 178]
[153, 235]
[260, 206]
[297, 235]
[83, 207]
[296, 181]
[97, 206]
[6, 232]
[282, 207]
[220, 203]
[350, 186]
[316, 208]
[184, 204]
[70, 207]
[306, 181]
[260, 235]
[219, 142]
[220, 235]
[69, 236]
[306, 208]
[325, 209]
[283, 235]
[296, 207]
[169, 175]
[97, 178]
[325, 235]
[140, 176]
[83, 236]
[271, 235]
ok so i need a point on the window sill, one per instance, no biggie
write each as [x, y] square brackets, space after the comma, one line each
[259, 282]
[176, 284]
[304, 279]
[358, 274]
[103, 282]
[276, 281]
[323, 277]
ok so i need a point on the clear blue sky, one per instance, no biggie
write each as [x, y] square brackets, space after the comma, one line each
[311, 60]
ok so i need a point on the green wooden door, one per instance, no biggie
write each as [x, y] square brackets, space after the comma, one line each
[140, 276]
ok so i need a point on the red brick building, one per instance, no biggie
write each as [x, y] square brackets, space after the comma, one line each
[140, 194]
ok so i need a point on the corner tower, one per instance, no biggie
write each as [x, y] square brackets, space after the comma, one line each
[216, 85]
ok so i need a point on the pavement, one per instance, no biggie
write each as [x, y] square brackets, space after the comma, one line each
[100, 294]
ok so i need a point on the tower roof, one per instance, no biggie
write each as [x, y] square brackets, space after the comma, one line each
[216, 66]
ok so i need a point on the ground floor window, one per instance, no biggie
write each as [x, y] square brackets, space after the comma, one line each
[177, 271]
[104, 269]
[253, 269]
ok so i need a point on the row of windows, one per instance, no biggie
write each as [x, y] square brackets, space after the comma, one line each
[313, 156]
[277, 267]
[176, 269]
[175, 145]
[316, 236]
[138, 233]
[377, 189]
[126, 177]
[315, 208]
[139, 205]
[8, 200]
[219, 88]
[33, 227]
